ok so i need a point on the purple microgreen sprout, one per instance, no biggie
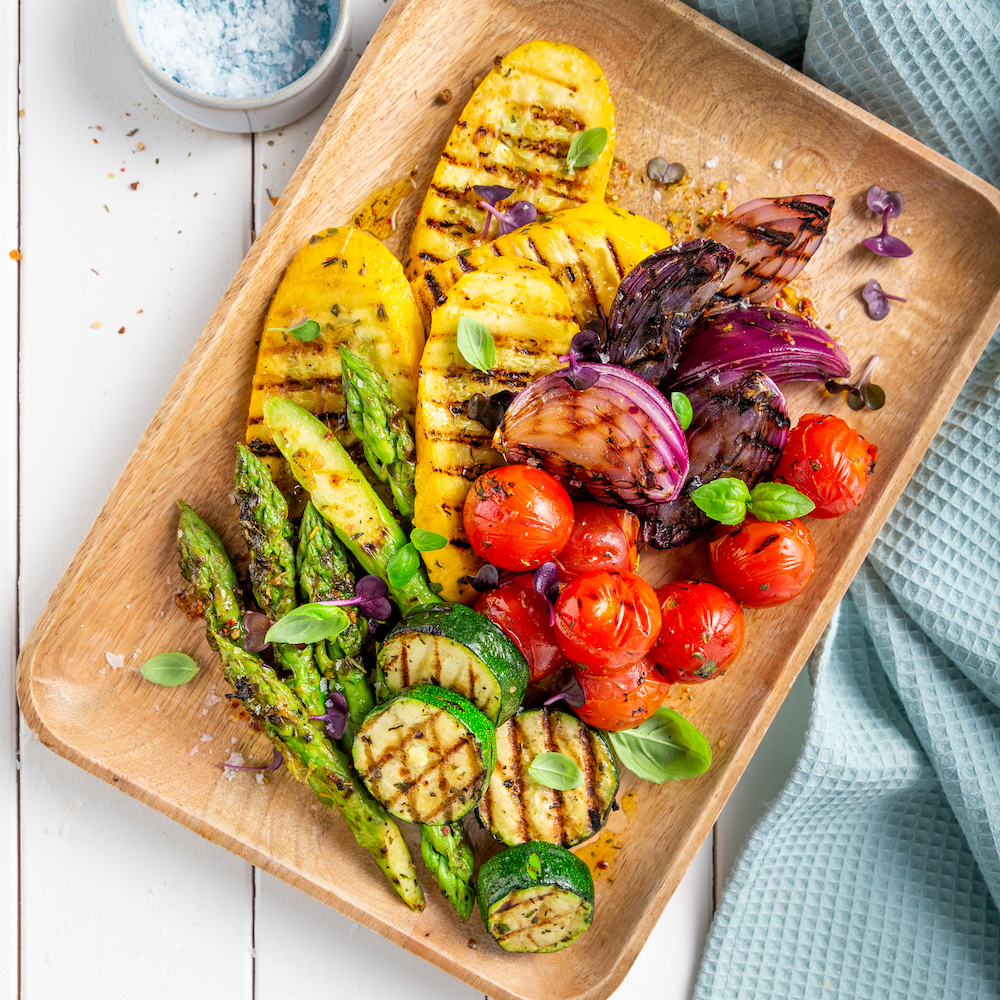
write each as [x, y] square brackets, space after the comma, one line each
[371, 597]
[584, 350]
[570, 692]
[879, 200]
[488, 578]
[336, 715]
[863, 393]
[877, 299]
[489, 410]
[276, 761]
[659, 170]
[493, 193]
[546, 582]
[890, 205]
[519, 214]
[256, 626]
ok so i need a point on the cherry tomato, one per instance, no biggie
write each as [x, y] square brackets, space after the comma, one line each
[606, 620]
[621, 700]
[517, 517]
[602, 538]
[829, 462]
[702, 632]
[524, 615]
[763, 563]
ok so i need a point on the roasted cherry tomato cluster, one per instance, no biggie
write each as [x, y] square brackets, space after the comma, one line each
[588, 610]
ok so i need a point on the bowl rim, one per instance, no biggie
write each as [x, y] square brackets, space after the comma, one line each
[133, 41]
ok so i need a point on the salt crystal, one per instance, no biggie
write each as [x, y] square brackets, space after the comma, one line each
[778, 164]
[260, 778]
[194, 750]
[657, 196]
[243, 48]
[908, 230]
[236, 759]
[740, 178]
[842, 315]
[211, 699]
[115, 660]
[724, 138]
[713, 162]
[207, 737]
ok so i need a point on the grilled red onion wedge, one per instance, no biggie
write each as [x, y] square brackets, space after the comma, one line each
[773, 239]
[785, 347]
[659, 300]
[614, 437]
[739, 429]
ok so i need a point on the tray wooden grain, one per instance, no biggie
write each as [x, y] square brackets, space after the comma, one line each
[680, 85]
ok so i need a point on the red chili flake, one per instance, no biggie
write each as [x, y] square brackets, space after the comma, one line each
[134, 185]
[95, 142]
[603, 865]
[122, 330]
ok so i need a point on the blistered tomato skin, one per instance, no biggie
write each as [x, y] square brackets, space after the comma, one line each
[829, 462]
[702, 632]
[603, 538]
[621, 700]
[517, 517]
[606, 621]
[524, 615]
[763, 563]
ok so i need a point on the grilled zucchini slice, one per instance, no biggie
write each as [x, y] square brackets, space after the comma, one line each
[516, 131]
[535, 898]
[459, 649]
[515, 808]
[532, 326]
[355, 290]
[425, 755]
[588, 250]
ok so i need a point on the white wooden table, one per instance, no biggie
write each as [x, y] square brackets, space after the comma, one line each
[131, 221]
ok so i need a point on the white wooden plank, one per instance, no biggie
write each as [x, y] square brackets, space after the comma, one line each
[350, 960]
[9, 43]
[116, 899]
[763, 779]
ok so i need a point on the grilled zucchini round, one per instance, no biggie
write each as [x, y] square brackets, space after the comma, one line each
[426, 754]
[459, 649]
[515, 808]
[535, 897]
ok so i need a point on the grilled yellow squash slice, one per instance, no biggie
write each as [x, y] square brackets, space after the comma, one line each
[532, 324]
[516, 131]
[347, 282]
[588, 250]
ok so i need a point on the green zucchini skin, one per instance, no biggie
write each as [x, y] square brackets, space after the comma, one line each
[455, 647]
[516, 809]
[425, 754]
[535, 897]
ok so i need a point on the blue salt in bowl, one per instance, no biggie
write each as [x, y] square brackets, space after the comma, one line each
[267, 111]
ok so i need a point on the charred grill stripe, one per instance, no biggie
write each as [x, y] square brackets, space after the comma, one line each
[464, 264]
[614, 256]
[331, 385]
[584, 270]
[539, 256]
[588, 764]
[434, 288]
[509, 904]
[404, 665]
[449, 226]
[428, 258]
[517, 793]
[264, 449]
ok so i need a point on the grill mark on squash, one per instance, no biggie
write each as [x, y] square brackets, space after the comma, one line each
[517, 792]
[588, 764]
[559, 820]
[584, 270]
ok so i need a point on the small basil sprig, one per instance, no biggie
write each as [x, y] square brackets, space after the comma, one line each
[308, 623]
[305, 331]
[682, 408]
[555, 770]
[864, 392]
[728, 500]
[586, 147]
[169, 669]
[666, 747]
[405, 561]
[475, 344]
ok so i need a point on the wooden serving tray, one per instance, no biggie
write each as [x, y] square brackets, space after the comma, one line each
[684, 89]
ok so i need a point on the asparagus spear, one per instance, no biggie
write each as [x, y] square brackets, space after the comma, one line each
[448, 855]
[310, 756]
[345, 499]
[324, 575]
[268, 534]
[379, 423]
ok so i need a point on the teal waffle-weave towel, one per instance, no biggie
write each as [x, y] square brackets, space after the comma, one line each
[876, 874]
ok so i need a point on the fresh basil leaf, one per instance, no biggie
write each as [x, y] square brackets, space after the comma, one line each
[556, 770]
[586, 147]
[427, 541]
[402, 564]
[723, 499]
[475, 344]
[778, 502]
[666, 747]
[308, 623]
[683, 408]
[305, 331]
[169, 669]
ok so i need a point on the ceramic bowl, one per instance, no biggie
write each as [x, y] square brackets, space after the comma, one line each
[242, 114]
